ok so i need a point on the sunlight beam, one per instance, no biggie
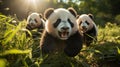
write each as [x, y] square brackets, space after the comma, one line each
[32, 4]
[32, 1]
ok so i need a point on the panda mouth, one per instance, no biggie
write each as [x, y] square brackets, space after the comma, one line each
[63, 34]
[29, 27]
[84, 29]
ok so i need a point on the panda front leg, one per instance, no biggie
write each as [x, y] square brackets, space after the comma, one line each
[46, 43]
[74, 45]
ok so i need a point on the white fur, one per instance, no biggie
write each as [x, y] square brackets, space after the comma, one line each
[84, 24]
[32, 22]
[64, 24]
[85, 17]
[62, 14]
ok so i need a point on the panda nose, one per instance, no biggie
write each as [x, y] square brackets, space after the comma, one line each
[83, 27]
[32, 23]
[65, 28]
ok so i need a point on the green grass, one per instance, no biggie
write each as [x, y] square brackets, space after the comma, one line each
[17, 50]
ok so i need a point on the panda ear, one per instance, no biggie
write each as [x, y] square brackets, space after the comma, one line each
[91, 16]
[42, 18]
[48, 12]
[72, 11]
[77, 16]
[40, 15]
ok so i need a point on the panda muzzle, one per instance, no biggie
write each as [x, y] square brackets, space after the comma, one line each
[63, 34]
[84, 29]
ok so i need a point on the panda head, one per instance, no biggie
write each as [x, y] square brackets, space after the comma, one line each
[85, 22]
[60, 23]
[34, 20]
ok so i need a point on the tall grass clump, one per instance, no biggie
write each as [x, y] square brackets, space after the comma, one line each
[111, 33]
[104, 52]
[15, 46]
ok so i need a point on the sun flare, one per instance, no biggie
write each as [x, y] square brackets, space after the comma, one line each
[32, 1]
[32, 4]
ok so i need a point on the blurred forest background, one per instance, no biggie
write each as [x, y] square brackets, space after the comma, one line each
[103, 10]
[19, 50]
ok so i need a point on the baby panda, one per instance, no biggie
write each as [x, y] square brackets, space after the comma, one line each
[88, 28]
[61, 33]
[35, 21]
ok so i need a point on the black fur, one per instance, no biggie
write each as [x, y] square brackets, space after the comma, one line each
[48, 12]
[72, 11]
[71, 47]
[90, 36]
[91, 16]
[41, 27]
[87, 22]
[47, 42]
[74, 45]
[57, 23]
[40, 15]
[28, 27]
[72, 25]
[35, 20]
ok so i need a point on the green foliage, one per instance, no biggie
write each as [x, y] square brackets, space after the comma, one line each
[14, 36]
[14, 45]
[3, 62]
[105, 51]
[14, 51]
[110, 33]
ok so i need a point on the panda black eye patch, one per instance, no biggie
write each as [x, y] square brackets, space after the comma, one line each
[57, 23]
[80, 23]
[35, 20]
[72, 25]
[30, 19]
[87, 22]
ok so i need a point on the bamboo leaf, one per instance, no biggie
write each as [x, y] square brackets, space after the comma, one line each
[3, 16]
[13, 33]
[2, 63]
[27, 31]
[8, 32]
[118, 50]
[15, 51]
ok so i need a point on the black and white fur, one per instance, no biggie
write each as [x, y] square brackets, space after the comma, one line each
[61, 32]
[35, 21]
[88, 28]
